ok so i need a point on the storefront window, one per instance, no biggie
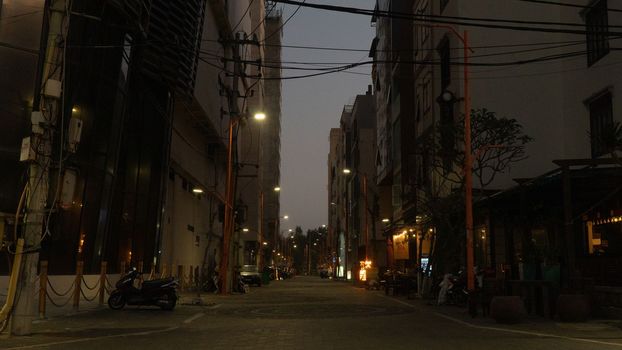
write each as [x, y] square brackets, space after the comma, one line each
[604, 236]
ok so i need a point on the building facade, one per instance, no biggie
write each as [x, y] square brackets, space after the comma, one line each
[565, 100]
[145, 185]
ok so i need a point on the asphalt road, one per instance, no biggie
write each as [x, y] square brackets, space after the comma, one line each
[305, 313]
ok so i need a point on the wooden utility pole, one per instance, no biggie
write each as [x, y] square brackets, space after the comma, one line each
[44, 121]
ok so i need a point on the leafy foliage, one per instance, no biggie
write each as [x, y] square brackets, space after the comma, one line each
[496, 144]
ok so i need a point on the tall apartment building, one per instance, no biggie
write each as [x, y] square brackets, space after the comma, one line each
[394, 88]
[270, 138]
[146, 185]
[354, 221]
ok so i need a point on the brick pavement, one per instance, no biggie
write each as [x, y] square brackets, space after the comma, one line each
[303, 313]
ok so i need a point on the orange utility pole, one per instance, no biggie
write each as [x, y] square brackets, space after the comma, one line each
[468, 168]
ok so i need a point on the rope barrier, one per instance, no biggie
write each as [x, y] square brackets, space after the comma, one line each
[87, 286]
[59, 294]
[110, 286]
[86, 298]
[61, 304]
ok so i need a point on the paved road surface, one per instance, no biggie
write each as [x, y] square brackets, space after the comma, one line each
[304, 313]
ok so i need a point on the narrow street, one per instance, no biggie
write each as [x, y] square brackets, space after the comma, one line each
[305, 313]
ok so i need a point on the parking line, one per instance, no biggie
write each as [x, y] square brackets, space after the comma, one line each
[82, 340]
[195, 317]
[515, 331]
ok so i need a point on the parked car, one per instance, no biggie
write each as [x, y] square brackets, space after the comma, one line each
[250, 275]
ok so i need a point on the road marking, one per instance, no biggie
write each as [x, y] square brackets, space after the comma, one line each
[515, 331]
[195, 317]
[82, 340]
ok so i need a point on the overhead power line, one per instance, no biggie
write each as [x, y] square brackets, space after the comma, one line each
[516, 25]
[565, 4]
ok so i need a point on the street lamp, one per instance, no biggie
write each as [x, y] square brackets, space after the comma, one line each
[260, 116]
[234, 120]
[277, 189]
[468, 156]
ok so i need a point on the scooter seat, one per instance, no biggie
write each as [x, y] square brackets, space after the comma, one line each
[157, 283]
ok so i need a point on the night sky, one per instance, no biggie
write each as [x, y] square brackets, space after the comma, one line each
[312, 106]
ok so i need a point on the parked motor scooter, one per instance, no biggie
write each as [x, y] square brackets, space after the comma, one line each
[160, 292]
[457, 293]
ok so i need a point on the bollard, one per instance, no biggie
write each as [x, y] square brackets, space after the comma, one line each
[78, 285]
[197, 278]
[190, 277]
[102, 282]
[43, 286]
[180, 276]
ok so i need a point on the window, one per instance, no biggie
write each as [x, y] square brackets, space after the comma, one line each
[426, 92]
[597, 27]
[601, 120]
[445, 55]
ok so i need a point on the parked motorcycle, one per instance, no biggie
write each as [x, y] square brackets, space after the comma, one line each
[211, 283]
[160, 292]
[457, 293]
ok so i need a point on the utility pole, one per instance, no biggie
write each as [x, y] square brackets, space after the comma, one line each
[235, 115]
[43, 121]
[233, 94]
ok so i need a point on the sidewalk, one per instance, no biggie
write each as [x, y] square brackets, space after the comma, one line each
[596, 331]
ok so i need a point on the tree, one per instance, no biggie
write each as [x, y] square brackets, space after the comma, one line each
[496, 144]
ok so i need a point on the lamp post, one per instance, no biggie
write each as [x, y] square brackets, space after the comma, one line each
[468, 157]
[229, 197]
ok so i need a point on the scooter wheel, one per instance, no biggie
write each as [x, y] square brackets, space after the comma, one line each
[116, 300]
[169, 301]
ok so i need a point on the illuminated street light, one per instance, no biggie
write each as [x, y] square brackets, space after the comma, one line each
[385, 220]
[346, 171]
[260, 116]
[277, 189]
[245, 229]
[265, 243]
[197, 190]
[286, 217]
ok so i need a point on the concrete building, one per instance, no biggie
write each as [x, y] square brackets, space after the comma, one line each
[270, 169]
[566, 102]
[365, 227]
[353, 196]
[150, 168]
[394, 88]
[335, 217]
[194, 231]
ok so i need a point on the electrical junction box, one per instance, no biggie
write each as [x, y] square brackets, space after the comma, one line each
[68, 189]
[74, 134]
[36, 118]
[53, 88]
[27, 153]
